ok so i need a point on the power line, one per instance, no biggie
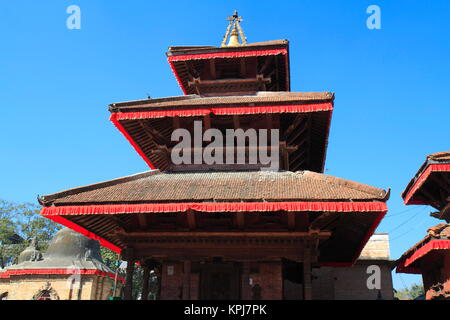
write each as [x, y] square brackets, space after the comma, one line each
[408, 220]
[414, 228]
[401, 212]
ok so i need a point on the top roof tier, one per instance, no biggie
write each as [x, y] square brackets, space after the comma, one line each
[233, 68]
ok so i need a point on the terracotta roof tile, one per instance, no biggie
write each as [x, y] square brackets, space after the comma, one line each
[155, 186]
[196, 100]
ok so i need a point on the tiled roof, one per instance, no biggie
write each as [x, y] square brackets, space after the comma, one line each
[434, 158]
[196, 100]
[248, 46]
[440, 156]
[156, 186]
[438, 232]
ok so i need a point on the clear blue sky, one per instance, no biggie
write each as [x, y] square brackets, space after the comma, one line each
[391, 108]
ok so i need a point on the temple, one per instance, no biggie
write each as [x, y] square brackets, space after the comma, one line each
[71, 269]
[430, 257]
[230, 230]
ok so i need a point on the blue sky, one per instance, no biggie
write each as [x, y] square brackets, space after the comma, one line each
[391, 108]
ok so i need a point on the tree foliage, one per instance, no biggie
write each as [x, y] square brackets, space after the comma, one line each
[19, 223]
[411, 293]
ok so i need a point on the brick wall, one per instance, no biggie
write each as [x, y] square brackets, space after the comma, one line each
[270, 278]
[172, 285]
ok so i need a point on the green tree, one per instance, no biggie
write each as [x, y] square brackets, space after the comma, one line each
[19, 223]
[411, 293]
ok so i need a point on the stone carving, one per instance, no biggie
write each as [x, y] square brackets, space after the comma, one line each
[46, 293]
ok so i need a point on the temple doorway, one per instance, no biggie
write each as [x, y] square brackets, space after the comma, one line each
[219, 281]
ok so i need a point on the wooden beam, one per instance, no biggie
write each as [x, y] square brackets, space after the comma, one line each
[145, 280]
[142, 220]
[291, 220]
[212, 68]
[156, 234]
[128, 290]
[242, 69]
[236, 122]
[297, 121]
[207, 122]
[153, 134]
[240, 220]
[186, 295]
[245, 284]
[191, 221]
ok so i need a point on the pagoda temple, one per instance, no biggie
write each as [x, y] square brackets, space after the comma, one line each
[430, 257]
[227, 230]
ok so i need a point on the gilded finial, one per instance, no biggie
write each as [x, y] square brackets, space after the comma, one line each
[234, 31]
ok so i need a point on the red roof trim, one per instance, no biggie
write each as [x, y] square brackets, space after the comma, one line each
[9, 273]
[222, 55]
[71, 225]
[302, 108]
[363, 243]
[437, 167]
[131, 141]
[233, 54]
[54, 213]
[118, 116]
[404, 266]
[375, 206]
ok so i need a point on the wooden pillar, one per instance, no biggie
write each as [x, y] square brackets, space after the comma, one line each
[145, 279]
[128, 290]
[307, 281]
[186, 280]
[245, 284]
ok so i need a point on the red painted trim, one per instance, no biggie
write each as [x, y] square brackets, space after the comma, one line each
[71, 225]
[221, 55]
[61, 272]
[421, 252]
[130, 140]
[216, 207]
[373, 207]
[368, 235]
[437, 167]
[174, 71]
[302, 108]
[363, 243]
[117, 117]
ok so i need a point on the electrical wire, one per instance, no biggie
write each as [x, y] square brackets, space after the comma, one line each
[401, 212]
[414, 228]
[408, 220]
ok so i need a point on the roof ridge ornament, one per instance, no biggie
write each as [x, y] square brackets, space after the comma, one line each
[234, 31]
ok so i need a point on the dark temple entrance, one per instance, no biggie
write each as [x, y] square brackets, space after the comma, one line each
[219, 281]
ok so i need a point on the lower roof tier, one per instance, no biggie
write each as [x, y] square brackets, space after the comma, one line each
[159, 213]
[427, 253]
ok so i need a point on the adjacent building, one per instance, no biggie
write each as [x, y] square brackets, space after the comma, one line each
[430, 257]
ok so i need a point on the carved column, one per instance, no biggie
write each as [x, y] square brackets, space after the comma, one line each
[128, 256]
[307, 281]
[146, 277]
[245, 284]
[186, 280]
